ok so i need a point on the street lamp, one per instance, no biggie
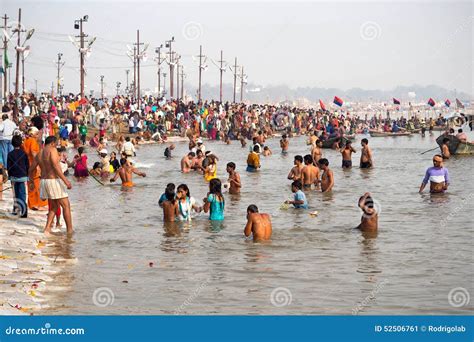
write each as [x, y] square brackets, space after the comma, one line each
[118, 84]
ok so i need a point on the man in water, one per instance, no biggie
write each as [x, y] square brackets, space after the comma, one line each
[327, 178]
[310, 173]
[253, 160]
[234, 179]
[316, 151]
[299, 198]
[295, 172]
[126, 173]
[259, 225]
[198, 161]
[369, 219]
[51, 187]
[445, 149]
[366, 161]
[187, 163]
[128, 148]
[437, 175]
[168, 151]
[284, 144]
[347, 155]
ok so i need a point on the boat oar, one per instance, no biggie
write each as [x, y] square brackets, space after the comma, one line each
[430, 150]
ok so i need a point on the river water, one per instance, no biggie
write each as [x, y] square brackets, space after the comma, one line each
[420, 262]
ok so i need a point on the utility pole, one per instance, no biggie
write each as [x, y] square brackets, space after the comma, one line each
[5, 57]
[127, 89]
[138, 69]
[117, 85]
[164, 83]
[221, 69]
[36, 88]
[235, 77]
[82, 51]
[134, 72]
[60, 64]
[242, 82]
[178, 57]
[17, 76]
[168, 45]
[177, 80]
[200, 72]
[182, 82]
[158, 59]
[102, 87]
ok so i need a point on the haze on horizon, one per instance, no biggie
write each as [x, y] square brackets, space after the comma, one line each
[369, 45]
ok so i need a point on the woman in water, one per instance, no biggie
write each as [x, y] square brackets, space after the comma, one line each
[215, 201]
[186, 203]
[80, 164]
[210, 171]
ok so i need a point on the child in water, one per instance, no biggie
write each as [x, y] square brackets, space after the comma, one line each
[299, 198]
[214, 202]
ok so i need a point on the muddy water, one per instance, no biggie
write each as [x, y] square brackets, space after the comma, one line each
[321, 265]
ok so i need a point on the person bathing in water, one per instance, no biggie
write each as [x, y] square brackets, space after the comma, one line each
[347, 155]
[295, 172]
[310, 173]
[126, 172]
[284, 144]
[299, 198]
[234, 183]
[437, 175]
[327, 178]
[366, 160]
[259, 225]
[369, 219]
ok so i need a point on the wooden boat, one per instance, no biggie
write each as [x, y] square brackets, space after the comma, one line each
[455, 145]
[415, 130]
[378, 134]
[329, 143]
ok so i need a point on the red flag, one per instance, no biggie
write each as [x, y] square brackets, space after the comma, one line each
[395, 101]
[459, 104]
[338, 101]
[431, 102]
[447, 103]
[82, 101]
[321, 104]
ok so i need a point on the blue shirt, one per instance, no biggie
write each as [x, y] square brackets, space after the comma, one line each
[300, 196]
[216, 208]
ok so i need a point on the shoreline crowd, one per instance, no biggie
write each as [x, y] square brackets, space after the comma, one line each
[33, 150]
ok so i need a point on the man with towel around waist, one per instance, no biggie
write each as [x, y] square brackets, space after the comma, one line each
[53, 183]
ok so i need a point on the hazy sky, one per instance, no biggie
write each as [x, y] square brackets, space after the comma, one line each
[371, 45]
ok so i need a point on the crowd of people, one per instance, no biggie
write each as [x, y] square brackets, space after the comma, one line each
[32, 150]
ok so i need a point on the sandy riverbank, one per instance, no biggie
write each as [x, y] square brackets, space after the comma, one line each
[27, 266]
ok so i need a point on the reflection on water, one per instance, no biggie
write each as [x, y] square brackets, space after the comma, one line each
[203, 267]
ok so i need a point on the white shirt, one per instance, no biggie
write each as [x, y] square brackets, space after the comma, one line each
[7, 127]
[128, 148]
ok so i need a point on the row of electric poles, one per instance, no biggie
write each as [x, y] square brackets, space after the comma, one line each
[22, 52]
[138, 54]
